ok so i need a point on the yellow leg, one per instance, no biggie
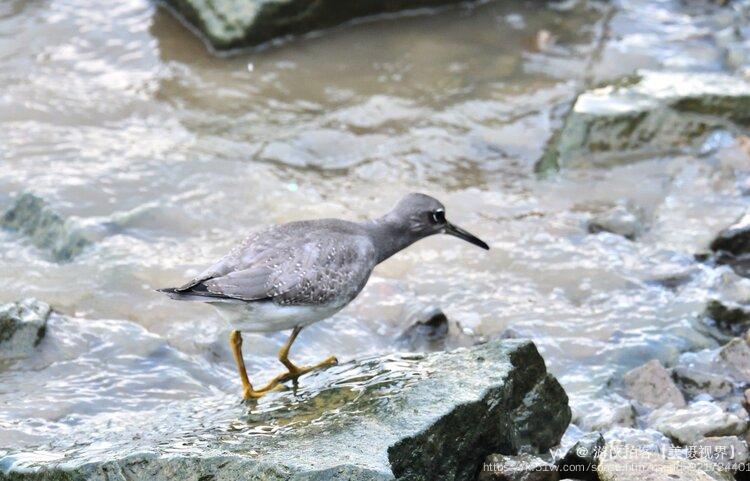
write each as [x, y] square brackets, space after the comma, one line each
[293, 371]
[235, 339]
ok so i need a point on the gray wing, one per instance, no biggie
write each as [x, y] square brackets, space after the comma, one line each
[292, 267]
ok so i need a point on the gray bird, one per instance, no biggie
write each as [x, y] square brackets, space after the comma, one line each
[292, 275]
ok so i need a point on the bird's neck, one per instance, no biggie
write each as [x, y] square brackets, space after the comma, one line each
[389, 235]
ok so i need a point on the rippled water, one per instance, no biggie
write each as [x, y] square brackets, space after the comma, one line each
[119, 116]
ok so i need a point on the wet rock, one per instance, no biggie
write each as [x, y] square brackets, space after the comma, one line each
[428, 327]
[647, 114]
[45, 228]
[22, 327]
[626, 463]
[736, 356]
[727, 451]
[231, 24]
[698, 420]
[695, 381]
[524, 467]
[601, 414]
[645, 439]
[583, 457]
[730, 320]
[652, 385]
[417, 417]
[735, 239]
[625, 220]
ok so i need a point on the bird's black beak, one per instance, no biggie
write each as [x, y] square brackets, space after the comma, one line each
[456, 231]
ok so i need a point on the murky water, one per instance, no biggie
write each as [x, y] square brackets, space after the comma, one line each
[119, 115]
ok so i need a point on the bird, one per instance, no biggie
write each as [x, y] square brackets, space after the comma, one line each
[291, 275]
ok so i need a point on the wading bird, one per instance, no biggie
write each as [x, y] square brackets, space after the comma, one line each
[292, 275]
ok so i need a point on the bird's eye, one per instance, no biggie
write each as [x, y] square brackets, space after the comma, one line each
[439, 216]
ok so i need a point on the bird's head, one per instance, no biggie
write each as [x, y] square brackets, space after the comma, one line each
[424, 216]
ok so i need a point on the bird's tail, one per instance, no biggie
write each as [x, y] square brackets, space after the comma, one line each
[179, 295]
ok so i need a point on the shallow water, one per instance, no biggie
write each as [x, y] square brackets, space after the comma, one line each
[121, 117]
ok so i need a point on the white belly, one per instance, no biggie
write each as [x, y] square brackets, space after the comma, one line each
[270, 317]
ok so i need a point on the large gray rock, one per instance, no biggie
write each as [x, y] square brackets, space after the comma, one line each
[45, 228]
[22, 327]
[231, 24]
[647, 114]
[415, 417]
[627, 463]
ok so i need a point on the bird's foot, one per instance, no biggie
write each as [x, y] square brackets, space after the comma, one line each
[250, 393]
[295, 372]
[292, 374]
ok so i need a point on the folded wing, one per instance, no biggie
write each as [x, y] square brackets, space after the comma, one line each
[299, 271]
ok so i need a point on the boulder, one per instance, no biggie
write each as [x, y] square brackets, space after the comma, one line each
[22, 327]
[647, 114]
[45, 228]
[696, 421]
[523, 467]
[411, 417]
[233, 24]
[627, 463]
[736, 356]
[583, 457]
[652, 385]
[695, 381]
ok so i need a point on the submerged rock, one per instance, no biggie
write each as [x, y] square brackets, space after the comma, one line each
[647, 114]
[645, 439]
[732, 246]
[31, 216]
[698, 420]
[627, 463]
[730, 319]
[735, 239]
[428, 328]
[231, 24]
[736, 356]
[524, 467]
[624, 219]
[418, 417]
[22, 327]
[695, 381]
[601, 414]
[652, 385]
